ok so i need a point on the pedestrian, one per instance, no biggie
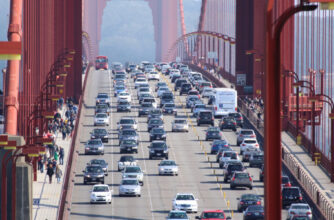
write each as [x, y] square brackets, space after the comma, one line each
[54, 164]
[51, 149]
[56, 156]
[40, 164]
[50, 173]
[64, 131]
[59, 173]
[61, 155]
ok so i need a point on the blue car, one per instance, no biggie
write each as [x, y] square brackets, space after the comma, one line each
[119, 89]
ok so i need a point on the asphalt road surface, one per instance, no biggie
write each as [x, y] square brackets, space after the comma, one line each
[189, 150]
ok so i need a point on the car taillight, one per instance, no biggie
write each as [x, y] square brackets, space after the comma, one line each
[258, 203]
[234, 123]
[199, 96]
[233, 178]
[241, 202]
[300, 198]
[308, 213]
[250, 179]
[213, 118]
[256, 145]
[249, 213]
[253, 136]
[225, 145]
[236, 109]
[243, 145]
[287, 185]
[216, 108]
[240, 135]
[240, 118]
[292, 213]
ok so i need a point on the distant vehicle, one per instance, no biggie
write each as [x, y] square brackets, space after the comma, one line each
[286, 181]
[247, 200]
[100, 133]
[126, 161]
[245, 133]
[100, 162]
[101, 62]
[128, 145]
[207, 92]
[168, 167]
[248, 144]
[166, 97]
[228, 123]
[177, 215]
[299, 209]
[254, 212]
[123, 106]
[205, 117]
[127, 121]
[144, 108]
[231, 169]
[134, 172]
[101, 119]
[103, 98]
[256, 160]
[100, 194]
[213, 133]
[153, 76]
[185, 88]
[225, 101]
[155, 123]
[158, 149]
[213, 214]
[180, 125]
[169, 108]
[93, 173]
[158, 134]
[241, 179]
[185, 202]
[94, 146]
[226, 156]
[128, 134]
[217, 145]
[129, 187]
[291, 195]
[160, 84]
[102, 108]
[238, 118]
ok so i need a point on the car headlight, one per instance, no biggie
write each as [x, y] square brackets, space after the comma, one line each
[165, 151]
[124, 176]
[100, 148]
[87, 176]
[105, 136]
[93, 136]
[93, 195]
[121, 189]
[152, 151]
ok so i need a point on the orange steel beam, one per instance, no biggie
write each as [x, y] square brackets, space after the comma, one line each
[10, 47]
[12, 76]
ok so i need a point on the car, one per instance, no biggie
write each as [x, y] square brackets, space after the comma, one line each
[161, 91]
[180, 125]
[213, 133]
[154, 113]
[160, 84]
[204, 84]
[228, 123]
[129, 187]
[300, 217]
[249, 144]
[249, 152]
[205, 117]
[191, 100]
[247, 200]
[124, 96]
[291, 195]
[142, 96]
[166, 97]
[94, 146]
[226, 156]
[119, 82]
[175, 77]
[179, 82]
[100, 193]
[127, 121]
[158, 134]
[231, 169]
[126, 160]
[140, 81]
[169, 108]
[261, 174]
[239, 119]
[217, 144]
[151, 100]
[297, 209]
[177, 215]
[118, 89]
[185, 202]
[103, 98]
[168, 167]
[100, 133]
[100, 162]
[128, 134]
[213, 214]
[132, 67]
[241, 179]
[220, 152]
[133, 172]
[145, 108]
[123, 106]
[194, 92]
[101, 119]
[185, 88]
[245, 133]
[173, 72]
[155, 123]
[207, 92]
[134, 73]
[128, 145]
[158, 149]
[153, 76]
[256, 160]
[197, 108]
[254, 212]
[93, 173]
[102, 108]
[285, 181]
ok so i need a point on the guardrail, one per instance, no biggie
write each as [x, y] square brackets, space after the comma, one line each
[64, 206]
[325, 208]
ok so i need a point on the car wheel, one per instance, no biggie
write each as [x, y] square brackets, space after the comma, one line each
[136, 151]
[198, 124]
[102, 182]
[85, 183]
[234, 129]
[139, 195]
[251, 187]
[261, 179]
[142, 184]
[232, 187]
[107, 174]
[150, 157]
[167, 158]
[109, 202]
[241, 152]
[225, 180]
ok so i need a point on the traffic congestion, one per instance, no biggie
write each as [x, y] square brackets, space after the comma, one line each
[161, 142]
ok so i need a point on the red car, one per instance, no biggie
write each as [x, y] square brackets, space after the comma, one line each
[212, 215]
[101, 62]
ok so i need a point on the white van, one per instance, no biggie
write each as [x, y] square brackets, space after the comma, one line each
[225, 101]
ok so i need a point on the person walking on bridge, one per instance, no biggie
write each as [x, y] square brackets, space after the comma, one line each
[50, 173]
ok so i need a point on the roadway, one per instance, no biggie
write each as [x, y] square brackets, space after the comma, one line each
[195, 173]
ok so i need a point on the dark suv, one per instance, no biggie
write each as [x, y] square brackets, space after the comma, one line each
[100, 133]
[178, 83]
[205, 117]
[291, 195]
[185, 88]
[158, 149]
[230, 169]
[157, 134]
[228, 123]
[93, 174]
[238, 118]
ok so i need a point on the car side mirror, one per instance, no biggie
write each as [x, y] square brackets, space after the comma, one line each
[83, 171]
[148, 146]
[88, 164]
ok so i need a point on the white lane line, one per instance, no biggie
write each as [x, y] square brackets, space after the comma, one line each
[112, 142]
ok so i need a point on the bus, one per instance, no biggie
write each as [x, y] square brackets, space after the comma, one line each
[101, 62]
[225, 101]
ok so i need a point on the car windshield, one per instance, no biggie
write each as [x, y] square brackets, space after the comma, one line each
[141, 80]
[130, 182]
[99, 162]
[167, 163]
[177, 215]
[290, 192]
[161, 84]
[258, 157]
[120, 87]
[250, 141]
[132, 170]
[208, 114]
[156, 112]
[285, 179]
[299, 206]
[158, 130]
[127, 121]
[158, 144]
[127, 159]
[169, 105]
[193, 98]
[249, 197]
[205, 84]
[119, 76]
[219, 142]
[149, 100]
[156, 121]
[101, 116]
[146, 105]
[124, 94]
[228, 154]
[235, 167]
[255, 208]
[129, 142]
[180, 121]
[199, 106]
[102, 96]
[241, 175]
[100, 189]
[100, 131]
[215, 215]
[124, 103]
[193, 93]
[246, 132]
[163, 89]
[94, 142]
[185, 197]
[167, 95]
[94, 169]
[128, 132]
[144, 89]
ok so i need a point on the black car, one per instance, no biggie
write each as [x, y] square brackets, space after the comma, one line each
[155, 123]
[213, 133]
[175, 77]
[228, 123]
[93, 173]
[217, 145]
[254, 212]
[154, 113]
[230, 169]
[256, 160]
[185, 88]
[169, 108]
[158, 134]
[158, 149]
[123, 106]
[178, 83]
[100, 133]
[291, 195]
[128, 145]
[238, 118]
[126, 134]
[166, 97]
[145, 108]
[102, 108]
[247, 200]
[205, 117]
[100, 162]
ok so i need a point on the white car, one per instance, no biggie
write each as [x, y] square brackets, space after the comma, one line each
[143, 90]
[133, 172]
[129, 187]
[174, 71]
[207, 92]
[127, 121]
[126, 160]
[302, 209]
[161, 90]
[168, 167]
[248, 143]
[165, 68]
[140, 81]
[153, 76]
[100, 193]
[180, 125]
[226, 156]
[185, 202]
[124, 96]
[101, 119]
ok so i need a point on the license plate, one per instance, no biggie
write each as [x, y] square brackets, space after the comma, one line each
[257, 213]
[129, 149]
[158, 137]
[93, 178]
[158, 154]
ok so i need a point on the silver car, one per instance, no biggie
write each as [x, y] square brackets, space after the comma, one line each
[297, 209]
[130, 187]
[94, 146]
[134, 172]
[168, 167]
[103, 98]
[126, 161]
[245, 133]
[101, 119]
[180, 125]
[241, 179]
